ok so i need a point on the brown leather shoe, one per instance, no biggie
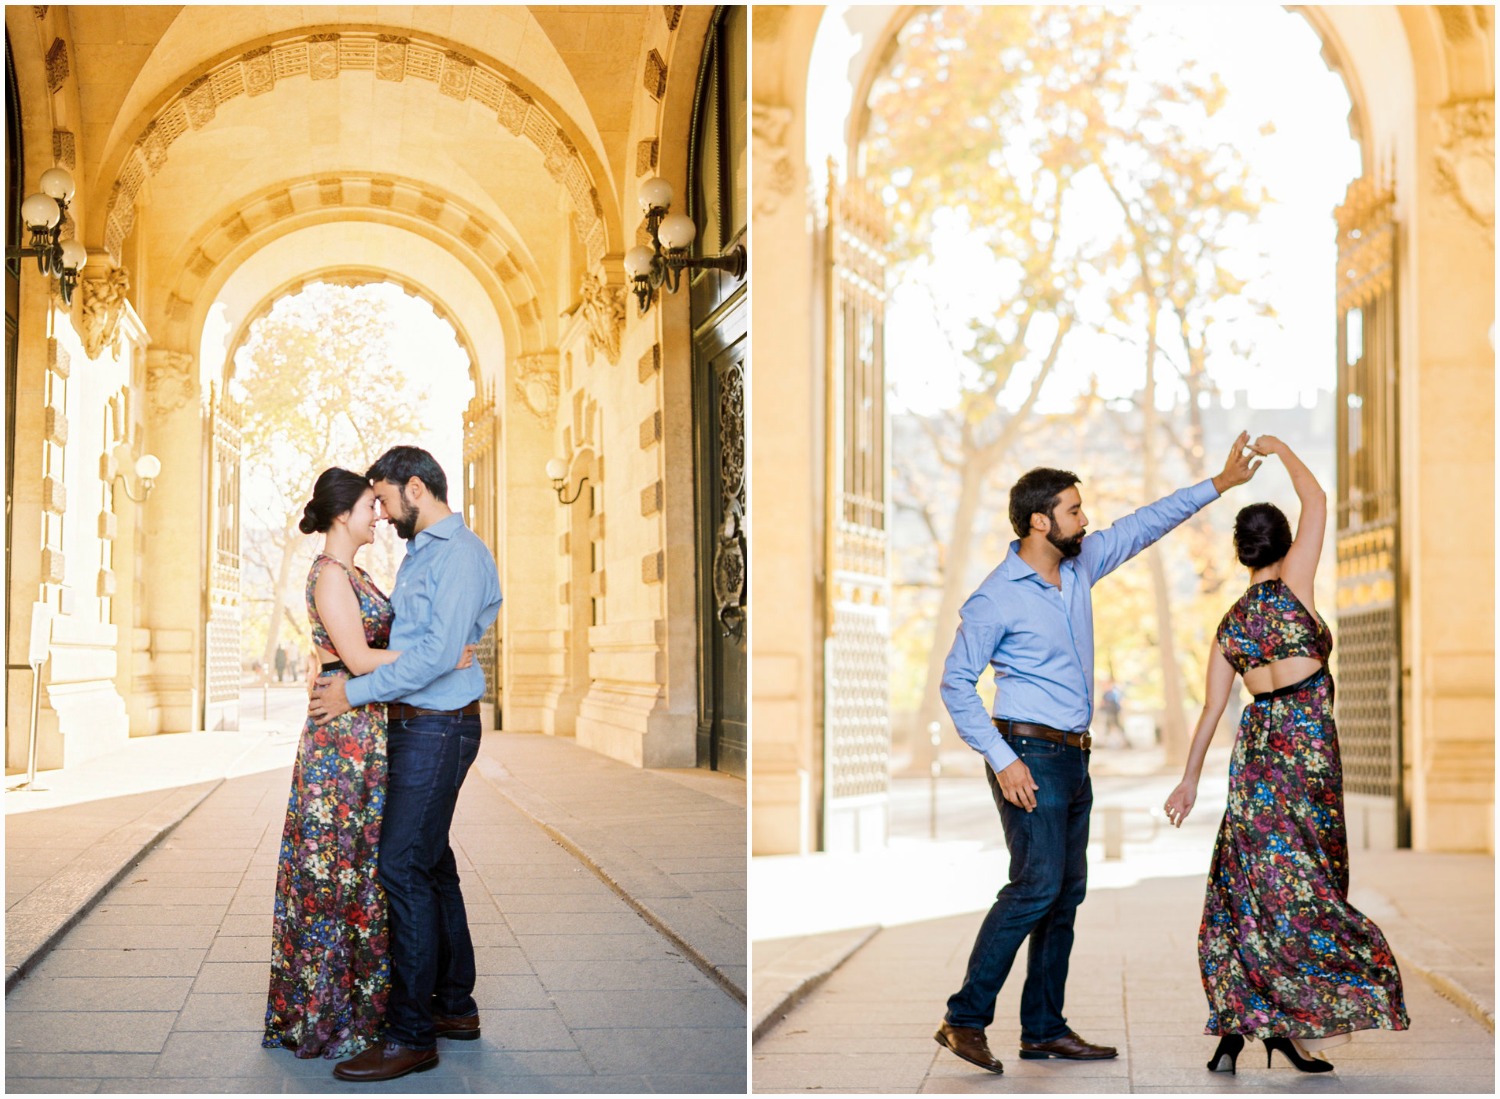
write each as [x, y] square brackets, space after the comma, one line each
[463, 1028]
[385, 1061]
[1070, 1047]
[967, 1042]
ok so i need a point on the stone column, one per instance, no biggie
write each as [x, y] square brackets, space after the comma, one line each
[1450, 465]
[534, 645]
[173, 540]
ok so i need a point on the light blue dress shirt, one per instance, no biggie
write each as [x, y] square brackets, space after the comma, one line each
[1039, 638]
[447, 594]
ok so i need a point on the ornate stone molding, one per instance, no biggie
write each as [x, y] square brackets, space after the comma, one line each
[673, 12]
[655, 77]
[103, 308]
[536, 384]
[774, 176]
[645, 156]
[1466, 157]
[169, 379]
[330, 56]
[64, 149]
[57, 65]
[603, 308]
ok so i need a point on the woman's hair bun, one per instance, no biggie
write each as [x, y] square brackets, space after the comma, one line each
[1261, 535]
[335, 493]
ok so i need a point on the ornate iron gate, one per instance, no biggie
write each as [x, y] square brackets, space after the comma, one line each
[221, 650]
[1369, 618]
[481, 513]
[856, 662]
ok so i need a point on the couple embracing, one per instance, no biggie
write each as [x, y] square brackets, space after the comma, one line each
[371, 954]
[1284, 957]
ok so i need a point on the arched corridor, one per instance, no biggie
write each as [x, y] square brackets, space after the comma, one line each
[486, 159]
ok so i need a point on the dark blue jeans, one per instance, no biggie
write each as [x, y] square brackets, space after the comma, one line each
[1048, 877]
[432, 956]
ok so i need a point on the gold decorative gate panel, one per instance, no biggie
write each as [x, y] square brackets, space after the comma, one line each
[222, 613]
[856, 673]
[1368, 539]
[481, 513]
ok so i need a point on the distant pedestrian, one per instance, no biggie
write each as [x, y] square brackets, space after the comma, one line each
[1285, 957]
[280, 663]
[1110, 705]
[1032, 621]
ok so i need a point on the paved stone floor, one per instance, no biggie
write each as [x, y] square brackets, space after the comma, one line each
[1133, 984]
[161, 987]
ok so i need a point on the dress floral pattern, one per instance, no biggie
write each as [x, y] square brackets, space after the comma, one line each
[330, 967]
[1283, 954]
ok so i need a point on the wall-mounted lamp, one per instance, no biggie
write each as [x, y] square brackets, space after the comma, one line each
[44, 214]
[557, 469]
[143, 471]
[671, 236]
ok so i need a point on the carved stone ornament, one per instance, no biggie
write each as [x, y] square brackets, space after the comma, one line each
[604, 312]
[536, 385]
[1466, 157]
[774, 175]
[169, 379]
[103, 307]
[57, 65]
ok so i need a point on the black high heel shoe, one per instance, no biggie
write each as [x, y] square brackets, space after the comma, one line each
[1299, 1062]
[1224, 1056]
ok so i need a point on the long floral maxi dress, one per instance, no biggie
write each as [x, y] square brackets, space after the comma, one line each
[330, 966]
[1282, 951]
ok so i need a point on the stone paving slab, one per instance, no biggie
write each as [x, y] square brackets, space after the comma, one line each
[786, 970]
[566, 1007]
[666, 841]
[869, 1026]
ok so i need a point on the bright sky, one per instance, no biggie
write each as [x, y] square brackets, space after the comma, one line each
[437, 379]
[1306, 163]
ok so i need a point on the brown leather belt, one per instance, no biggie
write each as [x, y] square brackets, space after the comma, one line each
[400, 711]
[1043, 732]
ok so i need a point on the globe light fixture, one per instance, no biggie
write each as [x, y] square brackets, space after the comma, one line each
[44, 214]
[143, 471]
[672, 235]
[557, 471]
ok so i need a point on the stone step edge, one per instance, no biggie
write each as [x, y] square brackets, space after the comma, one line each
[766, 1018]
[1450, 990]
[139, 839]
[495, 774]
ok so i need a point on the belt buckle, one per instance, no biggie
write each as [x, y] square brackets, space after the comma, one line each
[1085, 740]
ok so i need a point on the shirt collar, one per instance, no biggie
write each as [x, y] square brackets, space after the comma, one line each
[444, 528]
[1014, 567]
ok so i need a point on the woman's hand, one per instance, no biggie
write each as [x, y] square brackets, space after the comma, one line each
[466, 659]
[1267, 444]
[1180, 802]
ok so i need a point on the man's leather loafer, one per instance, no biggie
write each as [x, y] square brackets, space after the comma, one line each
[968, 1042]
[1070, 1047]
[463, 1028]
[385, 1061]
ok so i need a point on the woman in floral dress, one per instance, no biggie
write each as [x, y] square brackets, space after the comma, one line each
[329, 969]
[1285, 957]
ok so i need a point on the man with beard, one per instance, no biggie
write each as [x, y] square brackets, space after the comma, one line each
[1032, 620]
[447, 594]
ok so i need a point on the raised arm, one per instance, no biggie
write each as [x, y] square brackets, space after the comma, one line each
[1220, 679]
[1301, 563]
[1110, 548]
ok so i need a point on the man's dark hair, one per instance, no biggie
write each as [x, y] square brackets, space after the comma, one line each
[1037, 491]
[401, 463]
[1261, 535]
